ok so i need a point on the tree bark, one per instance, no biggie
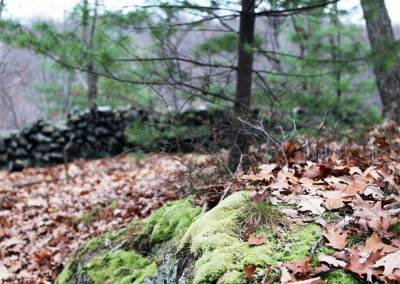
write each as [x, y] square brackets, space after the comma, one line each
[90, 67]
[243, 82]
[387, 64]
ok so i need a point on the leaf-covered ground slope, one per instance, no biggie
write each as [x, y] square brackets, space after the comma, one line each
[43, 220]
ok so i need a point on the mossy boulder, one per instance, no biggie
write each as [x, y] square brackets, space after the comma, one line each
[178, 245]
[127, 255]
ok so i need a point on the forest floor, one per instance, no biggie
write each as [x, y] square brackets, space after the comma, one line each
[350, 188]
[44, 220]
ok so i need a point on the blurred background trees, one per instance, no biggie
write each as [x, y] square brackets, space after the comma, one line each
[267, 59]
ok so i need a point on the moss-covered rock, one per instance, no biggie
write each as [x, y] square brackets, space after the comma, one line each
[127, 255]
[204, 248]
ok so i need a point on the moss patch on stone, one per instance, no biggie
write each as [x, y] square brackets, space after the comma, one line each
[212, 237]
[170, 220]
[120, 267]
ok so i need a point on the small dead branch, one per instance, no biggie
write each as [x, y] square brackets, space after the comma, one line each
[314, 247]
[65, 156]
[230, 184]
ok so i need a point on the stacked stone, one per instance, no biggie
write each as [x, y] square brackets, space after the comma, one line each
[96, 134]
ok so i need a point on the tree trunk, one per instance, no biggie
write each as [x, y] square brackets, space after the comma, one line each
[243, 83]
[387, 63]
[88, 39]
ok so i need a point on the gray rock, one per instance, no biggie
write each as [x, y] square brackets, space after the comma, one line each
[22, 141]
[100, 131]
[87, 151]
[45, 147]
[5, 136]
[3, 147]
[37, 155]
[40, 138]
[113, 145]
[47, 129]
[21, 153]
[61, 140]
[105, 109]
[29, 128]
[74, 118]
[56, 156]
[61, 126]
[14, 144]
[82, 124]
[21, 163]
[119, 134]
[91, 138]
[173, 271]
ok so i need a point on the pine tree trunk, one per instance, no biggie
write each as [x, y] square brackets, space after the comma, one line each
[387, 63]
[243, 83]
[88, 39]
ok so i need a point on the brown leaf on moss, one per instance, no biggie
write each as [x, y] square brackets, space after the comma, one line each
[363, 268]
[249, 270]
[300, 266]
[375, 242]
[336, 240]
[256, 241]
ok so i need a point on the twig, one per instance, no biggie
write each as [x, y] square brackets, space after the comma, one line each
[204, 209]
[230, 184]
[71, 137]
[274, 140]
[314, 247]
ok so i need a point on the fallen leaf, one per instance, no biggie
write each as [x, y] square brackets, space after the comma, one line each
[4, 273]
[371, 214]
[256, 241]
[362, 268]
[249, 270]
[375, 242]
[37, 202]
[323, 268]
[312, 205]
[317, 280]
[336, 240]
[290, 212]
[286, 276]
[266, 169]
[300, 266]
[390, 262]
[331, 261]
[334, 203]
[251, 230]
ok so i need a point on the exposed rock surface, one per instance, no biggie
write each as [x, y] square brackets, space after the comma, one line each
[177, 244]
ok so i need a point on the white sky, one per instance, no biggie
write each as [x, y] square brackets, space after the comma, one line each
[33, 9]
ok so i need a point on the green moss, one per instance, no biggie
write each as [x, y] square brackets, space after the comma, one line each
[212, 236]
[339, 277]
[171, 220]
[65, 275]
[113, 204]
[168, 221]
[119, 267]
[235, 277]
[86, 219]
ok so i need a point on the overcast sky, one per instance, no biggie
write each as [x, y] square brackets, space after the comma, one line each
[31, 9]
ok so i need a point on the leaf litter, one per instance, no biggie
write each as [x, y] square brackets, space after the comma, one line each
[43, 220]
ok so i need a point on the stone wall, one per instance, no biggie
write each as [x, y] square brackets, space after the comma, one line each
[97, 134]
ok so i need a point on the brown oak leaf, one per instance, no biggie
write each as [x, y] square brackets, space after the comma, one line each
[336, 240]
